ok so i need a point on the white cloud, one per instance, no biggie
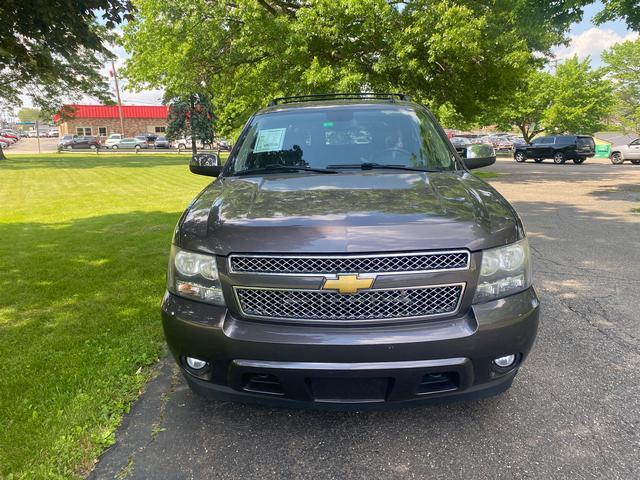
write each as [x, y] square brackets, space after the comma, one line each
[592, 43]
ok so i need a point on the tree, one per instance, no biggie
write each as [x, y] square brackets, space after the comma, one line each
[575, 99]
[623, 67]
[54, 48]
[27, 114]
[527, 106]
[191, 116]
[628, 10]
[457, 56]
[581, 99]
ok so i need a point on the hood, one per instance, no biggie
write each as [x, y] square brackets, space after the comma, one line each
[370, 211]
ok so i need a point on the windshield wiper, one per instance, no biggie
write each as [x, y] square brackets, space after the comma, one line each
[371, 166]
[287, 168]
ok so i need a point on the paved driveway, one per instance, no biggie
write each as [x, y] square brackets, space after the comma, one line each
[573, 411]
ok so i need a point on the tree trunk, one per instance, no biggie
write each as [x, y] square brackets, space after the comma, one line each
[2, 157]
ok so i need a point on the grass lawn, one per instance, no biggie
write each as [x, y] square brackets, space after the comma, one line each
[83, 246]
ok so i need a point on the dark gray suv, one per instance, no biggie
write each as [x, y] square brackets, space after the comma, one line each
[346, 258]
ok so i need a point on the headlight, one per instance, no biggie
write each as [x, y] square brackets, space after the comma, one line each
[504, 271]
[194, 275]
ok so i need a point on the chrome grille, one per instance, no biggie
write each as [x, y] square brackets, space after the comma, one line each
[365, 305]
[416, 262]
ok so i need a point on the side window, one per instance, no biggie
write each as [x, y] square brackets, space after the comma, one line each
[536, 141]
[636, 142]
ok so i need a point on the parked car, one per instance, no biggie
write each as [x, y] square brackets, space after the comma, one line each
[329, 268]
[4, 144]
[460, 141]
[8, 140]
[560, 148]
[113, 139]
[80, 142]
[10, 135]
[65, 139]
[53, 133]
[162, 142]
[130, 143]
[150, 138]
[630, 152]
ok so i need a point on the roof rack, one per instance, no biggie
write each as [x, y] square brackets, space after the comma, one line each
[339, 96]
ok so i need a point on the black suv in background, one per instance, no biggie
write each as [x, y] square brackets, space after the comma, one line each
[560, 148]
[79, 143]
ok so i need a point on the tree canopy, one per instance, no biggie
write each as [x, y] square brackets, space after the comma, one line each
[623, 66]
[462, 58]
[55, 48]
[574, 99]
[191, 116]
[627, 10]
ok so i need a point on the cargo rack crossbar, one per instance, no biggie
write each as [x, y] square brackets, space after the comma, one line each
[339, 96]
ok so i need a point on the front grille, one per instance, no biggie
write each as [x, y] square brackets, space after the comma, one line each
[418, 262]
[366, 305]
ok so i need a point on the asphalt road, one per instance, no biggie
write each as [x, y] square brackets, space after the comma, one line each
[573, 411]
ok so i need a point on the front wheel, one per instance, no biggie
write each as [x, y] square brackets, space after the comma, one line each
[519, 157]
[93, 147]
[578, 161]
[115, 147]
[558, 158]
[69, 147]
[616, 158]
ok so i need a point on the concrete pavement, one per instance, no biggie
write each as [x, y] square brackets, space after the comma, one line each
[573, 411]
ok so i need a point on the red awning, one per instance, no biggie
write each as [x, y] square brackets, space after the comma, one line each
[111, 111]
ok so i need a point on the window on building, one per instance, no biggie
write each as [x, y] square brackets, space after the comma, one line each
[161, 129]
[102, 131]
[83, 131]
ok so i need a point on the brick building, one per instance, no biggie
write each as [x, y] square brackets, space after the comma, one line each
[103, 120]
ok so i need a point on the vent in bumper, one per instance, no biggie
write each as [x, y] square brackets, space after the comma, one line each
[366, 305]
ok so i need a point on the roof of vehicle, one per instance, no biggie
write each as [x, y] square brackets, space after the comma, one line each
[386, 100]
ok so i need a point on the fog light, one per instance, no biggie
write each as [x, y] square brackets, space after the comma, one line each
[505, 362]
[196, 363]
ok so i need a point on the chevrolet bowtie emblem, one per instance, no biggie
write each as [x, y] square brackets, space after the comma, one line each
[348, 283]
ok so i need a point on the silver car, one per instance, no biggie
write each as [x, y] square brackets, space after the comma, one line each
[630, 152]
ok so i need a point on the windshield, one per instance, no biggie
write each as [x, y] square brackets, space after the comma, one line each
[334, 136]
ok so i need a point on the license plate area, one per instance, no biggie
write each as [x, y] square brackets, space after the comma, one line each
[345, 389]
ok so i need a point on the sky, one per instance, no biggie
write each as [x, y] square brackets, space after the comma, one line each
[590, 40]
[586, 39]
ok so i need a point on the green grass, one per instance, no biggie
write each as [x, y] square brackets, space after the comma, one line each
[486, 175]
[83, 248]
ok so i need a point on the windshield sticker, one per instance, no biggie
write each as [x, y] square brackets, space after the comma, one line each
[270, 140]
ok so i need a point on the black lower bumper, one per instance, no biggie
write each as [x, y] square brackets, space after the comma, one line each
[366, 367]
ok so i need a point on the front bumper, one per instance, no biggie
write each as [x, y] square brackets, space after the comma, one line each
[362, 367]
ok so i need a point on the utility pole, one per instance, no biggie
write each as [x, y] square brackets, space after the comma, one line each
[115, 78]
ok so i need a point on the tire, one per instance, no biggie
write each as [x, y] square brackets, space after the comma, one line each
[69, 147]
[538, 160]
[558, 158]
[579, 161]
[93, 147]
[616, 158]
[137, 148]
[520, 157]
[114, 147]
[636, 162]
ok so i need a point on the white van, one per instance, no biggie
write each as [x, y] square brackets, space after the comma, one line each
[113, 139]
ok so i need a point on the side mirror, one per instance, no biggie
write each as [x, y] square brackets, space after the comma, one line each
[205, 164]
[479, 155]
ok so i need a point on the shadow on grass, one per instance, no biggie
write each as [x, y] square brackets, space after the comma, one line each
[79, 314]
[90, 160]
